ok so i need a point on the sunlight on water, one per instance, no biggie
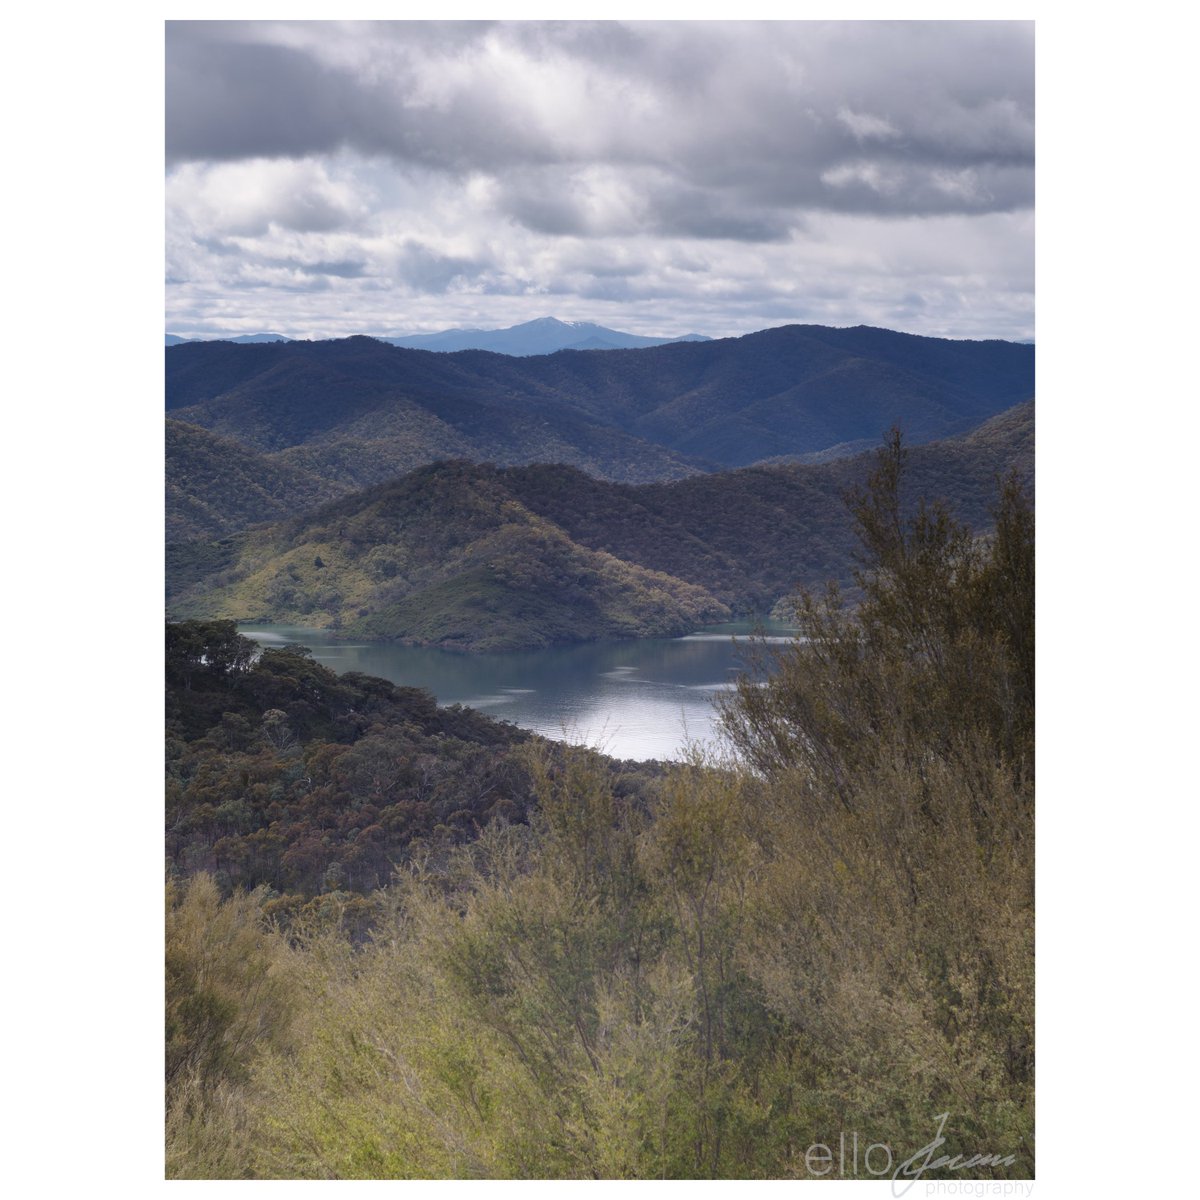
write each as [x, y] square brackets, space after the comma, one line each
[640, 699]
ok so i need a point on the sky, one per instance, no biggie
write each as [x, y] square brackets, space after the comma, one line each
[331, 178]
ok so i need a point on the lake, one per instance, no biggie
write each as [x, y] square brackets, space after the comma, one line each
[632, 699]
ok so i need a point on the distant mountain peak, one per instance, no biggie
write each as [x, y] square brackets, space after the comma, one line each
[174, 339]
[541, 335]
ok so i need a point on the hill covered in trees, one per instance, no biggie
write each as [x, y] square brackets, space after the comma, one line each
[481, 557]
[216, 486]
[356, 412]
[282, 774]
[445, 555]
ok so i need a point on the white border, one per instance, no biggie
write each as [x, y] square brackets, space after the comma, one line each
[83, 94]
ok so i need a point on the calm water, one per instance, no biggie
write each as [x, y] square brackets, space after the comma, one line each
[635, 699]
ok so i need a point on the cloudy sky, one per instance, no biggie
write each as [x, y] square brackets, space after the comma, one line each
[332, 178]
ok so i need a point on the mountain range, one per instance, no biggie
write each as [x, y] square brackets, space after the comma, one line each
[545, 335]
[474, 556]
[300, 421]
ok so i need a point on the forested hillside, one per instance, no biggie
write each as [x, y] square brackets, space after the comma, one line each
[445, 555]
[480, 557]
[281, 773]
[357, 411]
[216, 486]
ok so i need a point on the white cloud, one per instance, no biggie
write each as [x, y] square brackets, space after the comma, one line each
[880, 178]
[867, 126]
[245, 199]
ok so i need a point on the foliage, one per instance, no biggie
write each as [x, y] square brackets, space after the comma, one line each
[528, 1009]
[895, 747]
[282, 774]
[937, 655]
[227, 998]
[215, 486]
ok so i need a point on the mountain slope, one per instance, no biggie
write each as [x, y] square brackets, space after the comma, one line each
[797, 389]
[444, 555]
[216, 486]
[358, 412]
[750, 535]
[478, 557]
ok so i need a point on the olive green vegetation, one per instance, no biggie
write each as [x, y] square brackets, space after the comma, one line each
[701, 977]
[444, 555]
[215, 486]
[283, 775]
[482, 558]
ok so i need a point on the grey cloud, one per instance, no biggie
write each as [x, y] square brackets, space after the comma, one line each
[218, 247]
[684, 210]
[507, 285]
[415, 267]
[600, 269]
[552, 210]
[230, 100]
[425, 270]
[560, 201]
[295, 281]
[706, 221]
[242, 98]
[763, 111]
[892, 185]
[260, 198]
[867, 126]
[607, 290]
[341, 270]
[308, 212]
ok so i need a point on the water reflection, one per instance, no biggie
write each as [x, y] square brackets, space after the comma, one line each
[635, 699]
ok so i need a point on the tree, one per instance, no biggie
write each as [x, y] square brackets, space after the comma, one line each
[938, 652]
[214, 647]
[892, 915]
